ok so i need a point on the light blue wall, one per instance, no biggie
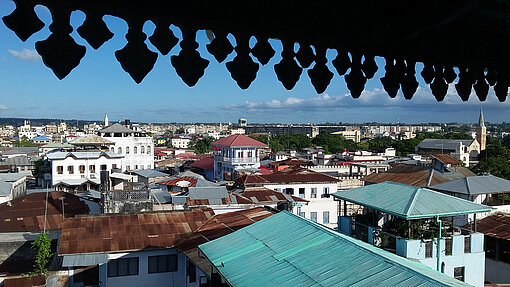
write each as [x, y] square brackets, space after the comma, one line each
[474, 262]
[344, 225]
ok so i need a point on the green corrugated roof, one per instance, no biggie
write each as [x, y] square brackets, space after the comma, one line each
[409, 202]
[288, 250]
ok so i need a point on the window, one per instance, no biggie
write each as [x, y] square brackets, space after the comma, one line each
[135, 150]
[302, 214]
[459, 273]
[103, 167]
[467, 244]
[289, 191]
[278, 189]
[162, 263]
[123, 267]
[119, 150]
[92, 168]
[112, 149]
[448, 246]
[148, 149]
[82, 169]
[325, 193]
[250, 153]
[191, 271]
[302, 192]
[127, 150]
[60, 169]
[313, 216]
[70, 169]
[142, 149]
[114, 166]
[313, 192]
[128, 167]
[239, 154]
[428, 249]
[136, 167]
[325, 217]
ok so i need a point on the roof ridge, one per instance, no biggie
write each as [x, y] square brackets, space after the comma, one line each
[413, 201]
[468, 187]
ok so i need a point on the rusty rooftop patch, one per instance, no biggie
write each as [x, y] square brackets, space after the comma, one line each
[496, 225]
[446, 159]
[298, 175]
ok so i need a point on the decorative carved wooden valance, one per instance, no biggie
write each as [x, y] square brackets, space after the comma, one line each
[470, 35]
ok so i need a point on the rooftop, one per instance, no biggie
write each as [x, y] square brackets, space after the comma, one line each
[238, 141]
[287, 248]
[91, 140]
[59, 155]
[446, 159]
[26, 213]
[205, 163]
[409, 202]
[129, 232]
[298, 175]
[150, 173]
[116, 128]
[417, 175]
[473, 185]
[443, 144]
[495, 225]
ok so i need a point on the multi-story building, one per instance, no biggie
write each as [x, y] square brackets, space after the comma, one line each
[136, 147]
[180, 141]
[235, 153]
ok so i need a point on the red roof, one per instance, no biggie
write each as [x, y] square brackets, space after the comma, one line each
[265, 170]
[238, 140]
[186, 155]
[173, 182]
[205, 163]
[297, 174]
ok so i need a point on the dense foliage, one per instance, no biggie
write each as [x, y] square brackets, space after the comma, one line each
[201, 146]
[42, 247]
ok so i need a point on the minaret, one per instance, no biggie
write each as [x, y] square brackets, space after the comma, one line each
[106, 119]
[481, 132]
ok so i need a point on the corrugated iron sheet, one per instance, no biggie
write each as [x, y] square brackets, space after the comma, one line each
[409, 202]
[287, 250]
[482, 184]
[417, 175]
[495, 225]
[129, 232]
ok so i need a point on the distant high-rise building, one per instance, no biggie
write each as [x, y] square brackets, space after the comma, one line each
[481, 132]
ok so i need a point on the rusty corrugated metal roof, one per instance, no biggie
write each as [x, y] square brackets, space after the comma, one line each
[446, 159]
[26, 213]
[129, 232]
[417, 175]
[263, 194]
[495, 225]
[298, 174]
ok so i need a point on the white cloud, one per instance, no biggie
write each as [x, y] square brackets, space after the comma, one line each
[26, 55]
[2, 107]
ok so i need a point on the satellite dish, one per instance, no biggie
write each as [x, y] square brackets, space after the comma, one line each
[183, 183]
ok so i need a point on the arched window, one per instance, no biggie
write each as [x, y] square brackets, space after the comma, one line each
[127, 150]
[112, 149]
[148, 149]
[135, 150]
[142, 150]
[119, 150]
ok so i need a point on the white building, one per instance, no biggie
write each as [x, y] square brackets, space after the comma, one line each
[180, 142]
[136, 147]
[77, 167]
[26, 131]
[235, 153]
[309, 185]
[12, 185]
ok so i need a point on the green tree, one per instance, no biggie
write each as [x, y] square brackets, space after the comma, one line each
[201, 146]
[333, 143]
[498, 166]
[24, 142]
[42, 247]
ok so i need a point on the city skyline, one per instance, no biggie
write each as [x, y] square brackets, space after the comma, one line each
[28, 89]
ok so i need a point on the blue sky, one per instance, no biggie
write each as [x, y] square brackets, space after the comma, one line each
[28, 89]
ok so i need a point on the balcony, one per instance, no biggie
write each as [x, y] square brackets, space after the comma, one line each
[236, 160]
[456, 244]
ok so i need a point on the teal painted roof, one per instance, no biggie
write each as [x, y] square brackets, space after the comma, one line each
[409, 202]
[287, 250]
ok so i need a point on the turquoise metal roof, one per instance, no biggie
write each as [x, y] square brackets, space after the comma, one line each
[409, 202]
[287, 250]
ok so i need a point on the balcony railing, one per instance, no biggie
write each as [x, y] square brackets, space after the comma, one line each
[130, 195]
[236, 159]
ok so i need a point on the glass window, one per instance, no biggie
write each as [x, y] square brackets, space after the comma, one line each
[148, 149]
[92, 168]
[70, 169]
[82, 169]
[103, 167]
[128, 167]
[302, 192]
[313, 216]
[127, 150]
[313, 192]
[191, 271]
[60, 169]
[302, 214]
[325, 217]
[136, 167]
[123, 267]
[459, 273]
[142, 149]
[162, 263]
[112, 149]
[119, 150]
[289, 191]
[135, 150]
[325, 193]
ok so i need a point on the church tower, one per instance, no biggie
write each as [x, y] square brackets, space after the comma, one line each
[481, 132]
[106, 123]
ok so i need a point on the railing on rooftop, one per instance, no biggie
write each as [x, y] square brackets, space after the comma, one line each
[236, 159]
[130, 195]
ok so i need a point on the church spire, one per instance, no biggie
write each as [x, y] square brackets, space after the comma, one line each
[106, 123]
[481, 123]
